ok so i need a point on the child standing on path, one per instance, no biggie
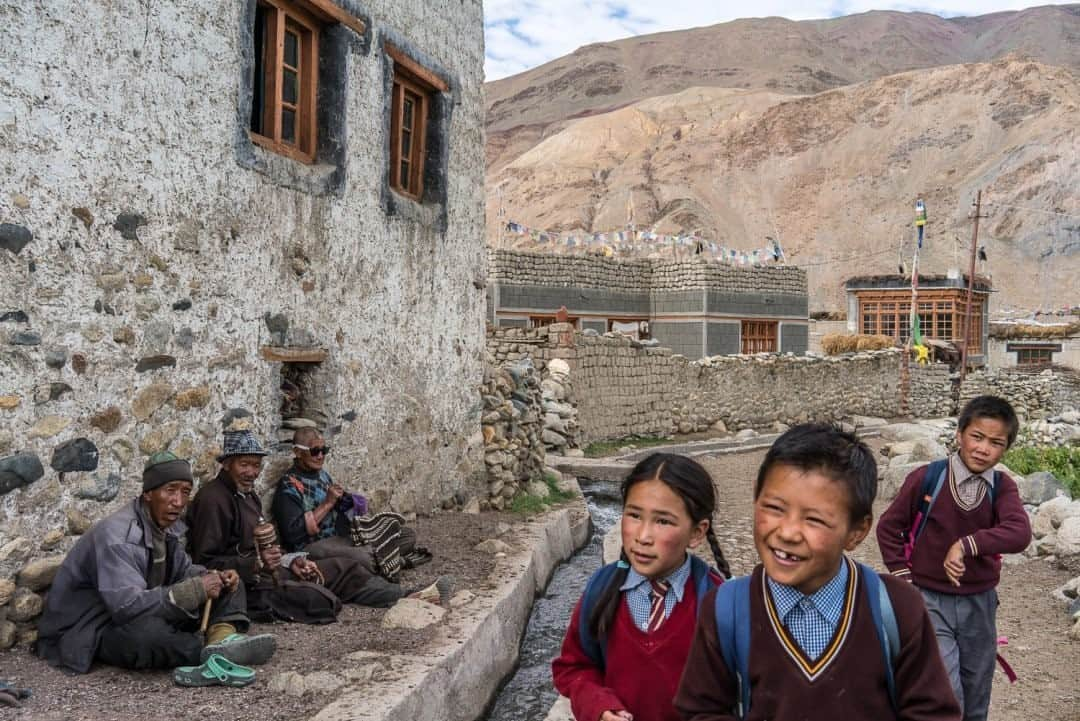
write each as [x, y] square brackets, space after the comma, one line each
[630, 632]
[811, 634]
[962, 514]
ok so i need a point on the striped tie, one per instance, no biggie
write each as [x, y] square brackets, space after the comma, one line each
[656, 611]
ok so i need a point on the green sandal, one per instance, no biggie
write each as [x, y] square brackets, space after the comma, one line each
[215, 671]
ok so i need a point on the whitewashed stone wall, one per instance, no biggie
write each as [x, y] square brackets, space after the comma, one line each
[148, 251]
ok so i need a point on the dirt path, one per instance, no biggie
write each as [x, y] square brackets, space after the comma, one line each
[1036, 624]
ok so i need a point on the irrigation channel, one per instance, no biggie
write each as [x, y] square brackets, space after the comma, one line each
[528, 695]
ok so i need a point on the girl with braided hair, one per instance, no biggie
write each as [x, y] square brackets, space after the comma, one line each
[630, 633]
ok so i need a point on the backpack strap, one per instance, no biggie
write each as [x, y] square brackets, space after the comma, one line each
[881, 609]
[733, 633]
[932, 482]
[704, 577]
[596, 651]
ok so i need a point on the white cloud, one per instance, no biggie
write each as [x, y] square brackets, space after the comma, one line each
[521, 34]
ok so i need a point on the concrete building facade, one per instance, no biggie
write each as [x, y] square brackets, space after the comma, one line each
[695, 307]
[266, 208]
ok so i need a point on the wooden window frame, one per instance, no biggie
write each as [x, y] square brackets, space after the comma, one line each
[941, 315]
[542, 320]
[294, 16]
[759, 336]
[1034, 357]
[411, 81]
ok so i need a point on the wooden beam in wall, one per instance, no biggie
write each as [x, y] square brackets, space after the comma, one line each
[329, 12]
[293, 354]
[414, 68]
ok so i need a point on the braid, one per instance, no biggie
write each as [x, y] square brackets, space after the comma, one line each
[718, 553]
[603, 614]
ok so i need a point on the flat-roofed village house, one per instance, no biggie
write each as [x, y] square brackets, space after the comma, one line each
[261, 209]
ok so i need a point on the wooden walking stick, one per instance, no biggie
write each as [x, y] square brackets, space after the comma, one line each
[205, 617]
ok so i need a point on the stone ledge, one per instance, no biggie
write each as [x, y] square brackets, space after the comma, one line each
[477, 647]
[293, 354]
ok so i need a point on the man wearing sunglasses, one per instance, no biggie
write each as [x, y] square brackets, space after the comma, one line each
[315, 515]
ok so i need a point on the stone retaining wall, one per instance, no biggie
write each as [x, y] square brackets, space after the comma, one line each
[1033, 394]
[931, 392]
[624, 388]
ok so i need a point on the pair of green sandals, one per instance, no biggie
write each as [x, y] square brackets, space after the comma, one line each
[222, 662]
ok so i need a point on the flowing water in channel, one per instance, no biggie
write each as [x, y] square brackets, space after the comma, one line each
[528, 695]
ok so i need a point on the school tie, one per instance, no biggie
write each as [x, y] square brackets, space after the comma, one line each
[656, 610]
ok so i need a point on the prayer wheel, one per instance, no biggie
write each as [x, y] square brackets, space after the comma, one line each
[266, 537]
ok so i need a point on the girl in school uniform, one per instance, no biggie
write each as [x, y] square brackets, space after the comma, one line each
[630, 633]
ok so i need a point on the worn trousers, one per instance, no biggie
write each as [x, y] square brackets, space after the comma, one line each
[966, 629]
[372, 590]
[157, 642]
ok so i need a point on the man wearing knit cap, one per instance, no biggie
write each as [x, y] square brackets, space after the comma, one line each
[128, 594]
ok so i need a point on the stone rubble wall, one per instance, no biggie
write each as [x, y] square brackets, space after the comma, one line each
[640, 275]
[623, 388]
[931, 391]
[513, 426]
[1032, 394]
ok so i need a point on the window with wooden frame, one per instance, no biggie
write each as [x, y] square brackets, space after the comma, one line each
[540, 321]
[759, 336]
[410, 109]
[1034, 356]
[283, 111]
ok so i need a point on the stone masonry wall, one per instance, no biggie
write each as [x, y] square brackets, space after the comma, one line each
[150, 252]
[931, 394]
[644, 275]
[622, 388]
[1032, 394]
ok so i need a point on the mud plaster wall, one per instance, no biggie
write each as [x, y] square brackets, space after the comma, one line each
[148, 251]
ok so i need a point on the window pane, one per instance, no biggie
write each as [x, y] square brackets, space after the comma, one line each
[259, 82]
[405, 175]
[407, 113]
[406, 144]
[288, 126]
[292, 49]
[289, 85]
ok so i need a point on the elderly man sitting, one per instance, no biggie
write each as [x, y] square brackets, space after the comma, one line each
[224, 519]
[128, 595]
[317, 516]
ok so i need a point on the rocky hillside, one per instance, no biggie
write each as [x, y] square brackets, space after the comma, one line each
[820, 139]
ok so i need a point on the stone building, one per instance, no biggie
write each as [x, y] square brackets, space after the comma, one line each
[264, 208]
[695, 307]
[1034, 347]
[881, 305]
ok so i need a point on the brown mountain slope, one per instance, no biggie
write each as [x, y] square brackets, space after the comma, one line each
[769, 53]
[834, 173]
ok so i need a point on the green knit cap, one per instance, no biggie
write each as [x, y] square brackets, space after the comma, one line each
[164, 467]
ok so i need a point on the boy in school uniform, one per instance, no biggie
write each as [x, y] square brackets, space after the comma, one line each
[944, 531]
[815, 645]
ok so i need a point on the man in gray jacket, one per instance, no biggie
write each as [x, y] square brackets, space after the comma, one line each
[128, 594]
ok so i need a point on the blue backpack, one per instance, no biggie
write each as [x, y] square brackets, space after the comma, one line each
[934, 480]
[733, 631]
[702, 575]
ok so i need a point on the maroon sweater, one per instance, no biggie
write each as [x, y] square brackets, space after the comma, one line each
[985, 531]
[642, 669]
[848, 680]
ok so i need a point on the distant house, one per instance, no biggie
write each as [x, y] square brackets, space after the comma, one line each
[1019, 345]
[695, 307]
[881, 305]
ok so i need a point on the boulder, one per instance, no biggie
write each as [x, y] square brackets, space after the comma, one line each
[7, 634]
[16, 550]
[472, 507]
[413, 613]
[893, 478]
[19, 470]
[1068, 537]
[7, 590]
[558, 367]
[288, 682]
[78, 454]
[493, 545]
[1074, 632]
[551, 438]
[868, 422]
[38, 575]
[925, 450]
[746, 434]
[1040, 487]
[25, 605]
[908, 432]
[537, 488]
[1057, 509]
[1041, 525]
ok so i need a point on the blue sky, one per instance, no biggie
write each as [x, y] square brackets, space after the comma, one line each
[522, 34]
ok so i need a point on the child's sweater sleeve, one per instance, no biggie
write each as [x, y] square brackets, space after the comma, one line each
[895, 522]
[707, 691]
[923, 692]
[1011, 532]
[577, 678]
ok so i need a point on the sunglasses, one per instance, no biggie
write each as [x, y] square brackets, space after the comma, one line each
[316, 451]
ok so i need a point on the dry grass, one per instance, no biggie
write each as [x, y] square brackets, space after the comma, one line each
[1011, 331]
[835, 343]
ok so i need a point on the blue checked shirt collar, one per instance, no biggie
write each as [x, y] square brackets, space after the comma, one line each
[828, 600]
[638, 592]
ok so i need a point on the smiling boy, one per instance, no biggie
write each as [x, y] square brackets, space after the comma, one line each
[814, 646]
[970, 513]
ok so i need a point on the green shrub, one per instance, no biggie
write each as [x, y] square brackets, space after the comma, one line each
[1062, 461]
[528, 504]
[598, 449]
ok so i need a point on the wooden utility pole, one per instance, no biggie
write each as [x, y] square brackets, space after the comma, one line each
[970, 288]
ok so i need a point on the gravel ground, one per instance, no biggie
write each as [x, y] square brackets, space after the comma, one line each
[109, 694]
[1035, 623]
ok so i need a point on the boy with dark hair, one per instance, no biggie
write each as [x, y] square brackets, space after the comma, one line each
[963, 514]
[810, 633]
